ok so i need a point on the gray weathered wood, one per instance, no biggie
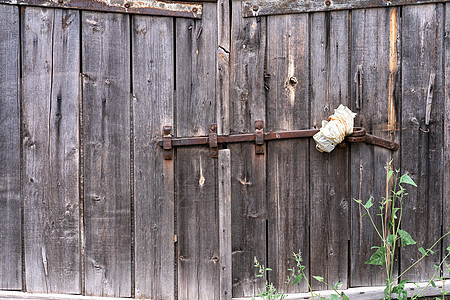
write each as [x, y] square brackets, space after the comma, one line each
[224, 178]
[277, 7]
[106, 135]
[287, 161]
[50, 70]
[247, 104]
[197, 210]
[148, 7]
[375, 49]
[10, 201]
[153, 85]
[329, 193]
[421, 157]
[223, 66]
[446, 198]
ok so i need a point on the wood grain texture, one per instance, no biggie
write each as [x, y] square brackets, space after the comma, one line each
[421, 151]
[446, 204]
[10, 200]
[329, 193]
[223, 66]
[247, 104]
[225, 259]
[153, 86]
[50, 148]
[374, 47]
[106, 134]
[287, 161]
[197, 209]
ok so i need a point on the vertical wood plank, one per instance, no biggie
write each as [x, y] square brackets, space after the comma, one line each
[375, 49]
[223, 66]
[197, 209]
[329, 194]
[446, 204]
[287, 161]
[106, 116]
[224, 178]
[153, 88]
[422, 28]
[50, 147]
[247, 104]
[10, 200]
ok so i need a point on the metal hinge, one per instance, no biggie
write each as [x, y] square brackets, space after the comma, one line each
[259, 137]
[147, 7]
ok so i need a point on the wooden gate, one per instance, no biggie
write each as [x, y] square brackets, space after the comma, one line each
[89, 205]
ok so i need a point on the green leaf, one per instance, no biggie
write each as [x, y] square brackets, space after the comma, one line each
[406, 179]
[337, 284]
[344, 296]
[268, 269]
[318, 278]
[421, 250]
[378, 258]
[390, 239]
[369, 203]
[406, 238]
[432, 283]
[389, 175]
[366, 214]
[430, 251]
[297, 279]
[448, 248]
[334, 297]
[357, 200]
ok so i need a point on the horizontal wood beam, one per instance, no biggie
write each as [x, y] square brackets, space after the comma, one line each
[146, 7]
[253, 8]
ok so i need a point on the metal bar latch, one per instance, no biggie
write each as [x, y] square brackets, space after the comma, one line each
[213, 146]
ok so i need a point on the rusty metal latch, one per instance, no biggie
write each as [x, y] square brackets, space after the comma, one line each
[259, 137]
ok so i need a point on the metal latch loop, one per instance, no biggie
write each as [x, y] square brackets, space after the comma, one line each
[167, 143]
[259, 137]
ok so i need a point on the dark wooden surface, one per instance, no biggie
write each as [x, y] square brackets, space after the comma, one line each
[446, 83]
[375, 47]
[329, 194]
[287, 161]
[105, 215]
[50, 149]
[153, 85]
[422, 29]
[10, 200]
[106, 138]
[197, 206]
[247, 104]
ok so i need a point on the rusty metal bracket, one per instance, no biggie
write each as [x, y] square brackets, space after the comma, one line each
[255, 8]
[141, 7]
[167, 143]
[259, 137]
[359, 86]
[213, 146]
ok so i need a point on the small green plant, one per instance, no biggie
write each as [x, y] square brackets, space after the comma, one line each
[391, 236]
[269, 291]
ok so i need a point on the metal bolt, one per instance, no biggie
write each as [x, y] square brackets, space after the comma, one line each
[293, 80]
[194, 9]
[127, 5]
[328, 3]
[255, 7]
[213, 127]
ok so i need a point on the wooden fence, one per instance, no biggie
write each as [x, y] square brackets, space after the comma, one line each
[89, 206]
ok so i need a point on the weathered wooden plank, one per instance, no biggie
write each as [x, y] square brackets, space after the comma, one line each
[329, 193]
[287, 161]
[147, 7]
[374, 52]
[197, 210]
[446, 198]
[277, 7]
[50, 71]
[223, 66]
[10, 200]
[106, 135]
[421, 157]
[224, 178]
[153, 86]
[247, 104]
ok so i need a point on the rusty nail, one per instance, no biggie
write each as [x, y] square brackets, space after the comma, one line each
[293, 80]
[328, 3]
[255, 7]
[213, 127]
[127, 5]
[194, 9]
